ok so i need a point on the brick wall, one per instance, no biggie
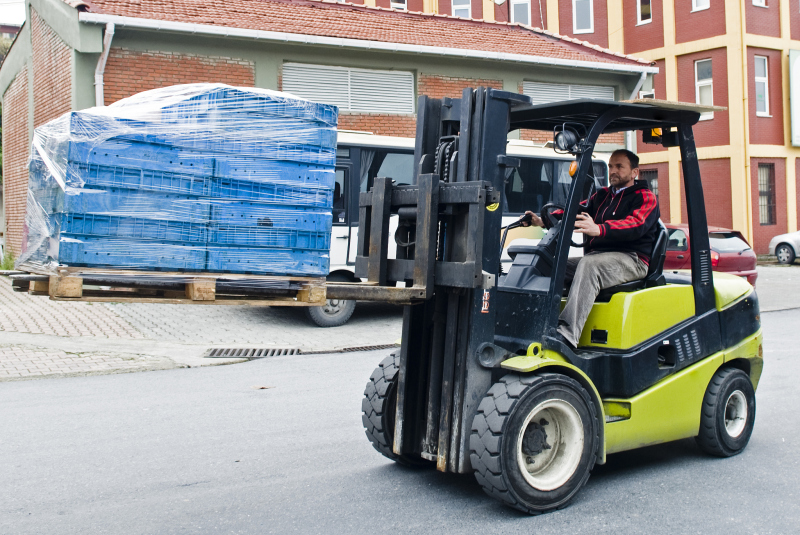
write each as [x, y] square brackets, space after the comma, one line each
[766, 130]
[794, 19]
[690, 26]
[716, 176]
[763, 20]
[52, 79]
[763, 233]
[715, 131]
[133, 71]
[383, 124]
[663, 187]
[600, 34]
[645, 36]
[15, 156]
[436, 86]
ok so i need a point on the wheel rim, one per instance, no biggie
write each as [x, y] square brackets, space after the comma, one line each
[783, 255]
[735, 413]
[333, 306]
[550, 444]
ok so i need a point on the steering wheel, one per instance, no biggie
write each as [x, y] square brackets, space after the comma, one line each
[550, 221]
[546, 215]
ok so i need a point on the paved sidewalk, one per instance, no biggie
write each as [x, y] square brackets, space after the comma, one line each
[40, 337]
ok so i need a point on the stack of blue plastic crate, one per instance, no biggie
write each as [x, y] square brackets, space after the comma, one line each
[223, 180]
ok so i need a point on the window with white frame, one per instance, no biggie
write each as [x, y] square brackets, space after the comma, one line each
[582, 16]
[698, 5]
[357, 90]
[762, 86]
[543, 93]
[704, 86]
[520, 11]
[760, 3]
[462, 8]
[644, 12]
[402, 5]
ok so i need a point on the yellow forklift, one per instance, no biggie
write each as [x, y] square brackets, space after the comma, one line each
[482, 383]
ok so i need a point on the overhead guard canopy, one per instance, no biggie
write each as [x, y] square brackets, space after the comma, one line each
[638, 114]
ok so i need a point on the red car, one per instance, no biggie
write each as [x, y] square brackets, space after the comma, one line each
[730, 252]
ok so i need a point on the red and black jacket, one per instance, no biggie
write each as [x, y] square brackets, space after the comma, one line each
[628, 221]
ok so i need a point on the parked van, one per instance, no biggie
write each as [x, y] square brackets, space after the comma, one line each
[543, 177]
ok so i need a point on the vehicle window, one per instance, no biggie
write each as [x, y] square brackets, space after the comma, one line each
[339, 199]
[531, 185]
[677, 240]
[727, 242]
[382, 163]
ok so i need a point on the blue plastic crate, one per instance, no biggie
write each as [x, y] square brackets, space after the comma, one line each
[132, 227]
[130, 254]
[127, 203]
[287, 238]
[276, 172]
[133, 154]
[253, 214]
[229, 188]
[232, 98]
[94, 176]
[266, 261]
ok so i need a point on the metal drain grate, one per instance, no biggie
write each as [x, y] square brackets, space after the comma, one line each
[349, 349]
[248, 352]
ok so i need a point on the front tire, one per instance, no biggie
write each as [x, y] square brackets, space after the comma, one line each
[728, 413]
[785, 254]
[378, 411]
[534, 441]
[333, 313]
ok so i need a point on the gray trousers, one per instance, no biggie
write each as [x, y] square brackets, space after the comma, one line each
[590, 274]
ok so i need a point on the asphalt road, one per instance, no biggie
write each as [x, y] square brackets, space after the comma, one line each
[201, 450]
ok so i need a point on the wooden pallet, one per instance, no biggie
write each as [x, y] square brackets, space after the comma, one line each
[81, 284]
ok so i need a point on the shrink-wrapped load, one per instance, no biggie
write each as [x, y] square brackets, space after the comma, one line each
[198, 177]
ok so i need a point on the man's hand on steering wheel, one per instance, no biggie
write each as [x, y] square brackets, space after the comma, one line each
[535, 220]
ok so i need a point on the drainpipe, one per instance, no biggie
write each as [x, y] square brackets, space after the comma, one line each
[630, 140]
[99, 98]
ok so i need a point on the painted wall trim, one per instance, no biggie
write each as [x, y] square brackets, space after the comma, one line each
[205, 29]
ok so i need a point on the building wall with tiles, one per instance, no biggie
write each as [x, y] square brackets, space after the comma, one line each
[716, 131]
[693, 25]
[763, 20]
[762, 234]
[645, 36]
[766, 130]
[600, 18]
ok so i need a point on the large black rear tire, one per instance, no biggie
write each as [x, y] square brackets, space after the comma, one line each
[378, 411]
[728, 413]
[534, 441]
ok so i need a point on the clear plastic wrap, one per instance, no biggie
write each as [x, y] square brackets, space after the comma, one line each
[195, 178]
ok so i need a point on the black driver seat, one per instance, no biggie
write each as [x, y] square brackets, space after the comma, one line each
[654, 276]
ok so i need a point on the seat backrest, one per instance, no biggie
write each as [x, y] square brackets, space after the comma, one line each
[659, 255]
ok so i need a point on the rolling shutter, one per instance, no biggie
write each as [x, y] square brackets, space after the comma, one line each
[542, 93]
[358, 90]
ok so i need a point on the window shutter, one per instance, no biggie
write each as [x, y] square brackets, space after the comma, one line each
[358, 90]
[381, 91]
[318, 83]
[542, 93]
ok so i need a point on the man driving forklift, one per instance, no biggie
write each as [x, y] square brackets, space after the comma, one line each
[620, 227]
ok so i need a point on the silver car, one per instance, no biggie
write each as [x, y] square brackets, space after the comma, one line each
[786, 247]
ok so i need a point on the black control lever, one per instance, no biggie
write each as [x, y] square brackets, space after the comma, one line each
[518, 223]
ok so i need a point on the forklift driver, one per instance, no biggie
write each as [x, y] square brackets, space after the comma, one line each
[620, 227]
